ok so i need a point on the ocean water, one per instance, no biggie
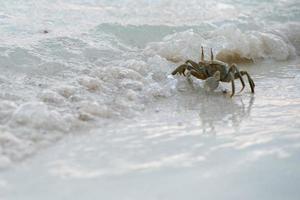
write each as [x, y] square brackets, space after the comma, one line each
[88, 106]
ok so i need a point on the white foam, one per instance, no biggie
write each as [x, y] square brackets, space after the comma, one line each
[178, 46]
[13, 148]
[38, 115]
[248, 44]
[94, 109]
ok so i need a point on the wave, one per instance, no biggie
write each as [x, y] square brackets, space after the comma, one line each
[230, 43]
[141, 35]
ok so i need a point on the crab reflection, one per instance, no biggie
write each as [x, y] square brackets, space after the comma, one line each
[216, 112]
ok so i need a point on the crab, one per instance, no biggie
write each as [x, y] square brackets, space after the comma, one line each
[214, 71]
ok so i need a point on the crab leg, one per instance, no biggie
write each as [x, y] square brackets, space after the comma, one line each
[232, 84]
[194, 64]
[230, 78]
[195, 71]
[180, 69]
[237, 74]
[199, 75]
[251, 82]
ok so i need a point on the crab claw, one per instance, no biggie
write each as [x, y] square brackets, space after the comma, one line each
[212, 82]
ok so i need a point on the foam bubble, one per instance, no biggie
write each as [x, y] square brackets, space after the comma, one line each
[38, 115]
[66, 90]
[49, 96]
[88, 110]
[6, 110]
[13, 148]
[90, 83]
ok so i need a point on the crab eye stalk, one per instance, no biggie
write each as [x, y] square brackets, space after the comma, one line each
[202, 54]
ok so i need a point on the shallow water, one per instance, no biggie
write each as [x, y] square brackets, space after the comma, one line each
[91, 104]
[193, 145]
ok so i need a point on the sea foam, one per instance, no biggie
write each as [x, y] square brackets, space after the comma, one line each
[228, 42]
